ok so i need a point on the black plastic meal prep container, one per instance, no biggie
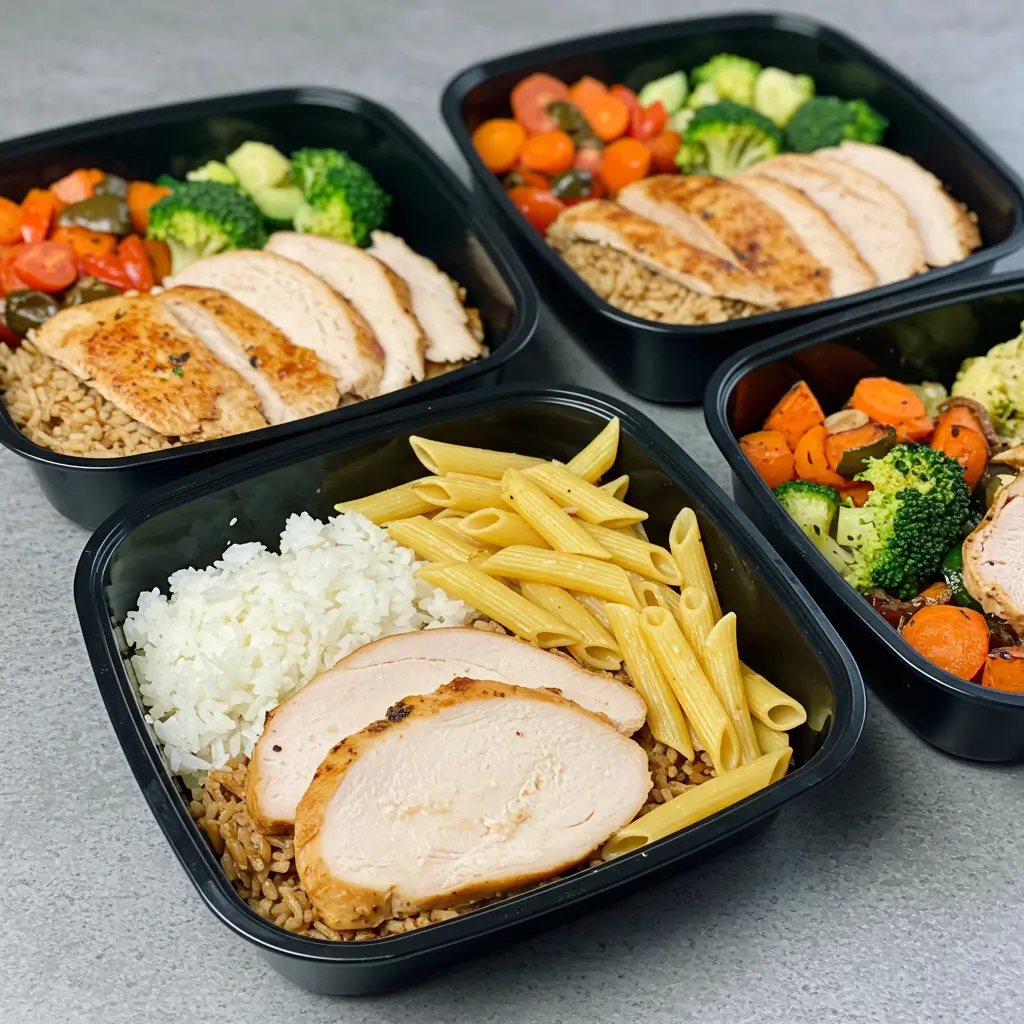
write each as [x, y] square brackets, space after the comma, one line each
[192, 521]
[672, 364]
[923, 337]
[431, 209]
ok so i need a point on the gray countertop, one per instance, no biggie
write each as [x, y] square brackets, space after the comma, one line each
[891, 894]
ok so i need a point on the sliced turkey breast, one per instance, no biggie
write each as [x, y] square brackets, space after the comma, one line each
[289, 380]
[436, 301]
[477, 789]
[603, 222]
[820, 237]
[377, 292]
[994, 558]
[869, 213]
[307, 310]
[947, 231]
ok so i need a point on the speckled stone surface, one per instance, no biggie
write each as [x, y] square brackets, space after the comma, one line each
[893, 894]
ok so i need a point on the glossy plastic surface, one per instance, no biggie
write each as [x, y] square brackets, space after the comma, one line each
[431, 210]
[672, 364]
[781, 632]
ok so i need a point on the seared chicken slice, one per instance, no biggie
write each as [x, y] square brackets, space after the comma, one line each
[289, 380]
[435, 301]
[948, 233]
[137, 356]
[606, 223]
[753, 233]
[303, 307]
[478, 789]
[381, 297]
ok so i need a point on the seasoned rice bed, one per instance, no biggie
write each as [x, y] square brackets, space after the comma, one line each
[635, 289]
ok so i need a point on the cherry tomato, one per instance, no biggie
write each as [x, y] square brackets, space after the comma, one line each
[538, 206]
[588, 158]
[47, 266]
[607, 116]
[9, 280]
[625, 161]
[498, 143]
[624, 93]
[109, 268]
[524, 176]
[530, 99]
[137, 265]
[664, 147]
[549, 152]
[585, 88]
[646, 122]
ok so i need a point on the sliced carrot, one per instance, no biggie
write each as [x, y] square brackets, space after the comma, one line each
[607, 116]
[953, 638]
[769, 455]
[586, 88]
[77, 185]
[839, 443]
[141, 196]
[1004, 670]
[886, 400]
[38, 212]
[84, 241]
[937, 593]
[967, 446]
[918, 429]
[856, 492]
[962, 416]
[796, 412]
[10, 222]
[810, 460]
[160, 257]
[548, 152]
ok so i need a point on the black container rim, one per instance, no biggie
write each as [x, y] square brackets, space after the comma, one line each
[525, 302]
[797, 24]
[834, 328]
[201, 864]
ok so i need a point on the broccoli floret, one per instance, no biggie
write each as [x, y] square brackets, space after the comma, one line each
[733, 77]
[213, 170]
[727, 137]
[778, 94]
[812, 507]
[201, 218]
[341, 198]
[911, 518]
[827, 120]
[702, 96]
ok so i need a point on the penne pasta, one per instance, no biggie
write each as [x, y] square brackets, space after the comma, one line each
[575, 572]
[722, 665]
[636, 555]
[432, 541]
[560, 531]
[467, 583]
[616, 488]
[594, 605]
[591, 463]
[588, 502]
[703, 709]
[695, 618]
[442, 514]
[698, 802]
[769, 704]
[395, 503]
[768, 740]
[598, 649]
[651, 594]
[500, 527]
[467, 493]
[664, 715]
[685, 544]
[440, 458]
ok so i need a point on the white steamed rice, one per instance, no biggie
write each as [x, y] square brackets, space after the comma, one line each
[237, 638]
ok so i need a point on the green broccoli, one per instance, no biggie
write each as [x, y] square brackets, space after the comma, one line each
[778, 94]
[732, 77]
[725, 138]
[827, 120]
[813, 507]
[702, 96]
[341, 198]
[201, 218]
[912, 517]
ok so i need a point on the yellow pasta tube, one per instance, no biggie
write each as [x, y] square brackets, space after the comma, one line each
[573, 572]
[699, 802]
[598, 649]
[722, 665]
[395, 503]
[768, 740]
[703, 709]
[443, 514]
[432, 541]
[591, 463]
[595, 606]
[664, 715]
[688, 550]
[440, 458]
[695, 618]
[637, 555]
[560, 531]
[616, 488]
[500, 527]
[651, 594]
[588, 502]
[467, 583]
[468, 493]
[769, 704]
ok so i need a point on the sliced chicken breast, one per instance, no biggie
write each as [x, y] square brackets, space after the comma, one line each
[308, 311]
[435, 301]
[137, 356]
[869, 213]
[947, 231]
[381, 297]
[289, 380]
[606, 223]
[815, 229]
[751, 231]
[478, 789]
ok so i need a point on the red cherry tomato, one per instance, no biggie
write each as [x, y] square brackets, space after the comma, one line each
[664, 147]
[625, 161]
[136, 263]
[624, 93]
[530, 100]
[538, 206]
[589, 158]
[47, 266]
[109, 268]
[646, 122]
